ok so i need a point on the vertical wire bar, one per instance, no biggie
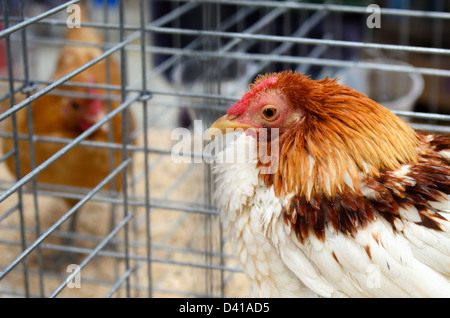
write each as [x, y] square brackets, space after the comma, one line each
[286, 28]
[131, 188]
[437, 41]
[339, 28]
[211, 83]
[207, 47]
[16, 146]
[113, 192]
[208, 167]
[32, 152]
[123, 84]
[405, 28]
[113, 188]
[146, 153]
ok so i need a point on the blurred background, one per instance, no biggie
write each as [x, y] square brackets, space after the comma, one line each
[159, 234]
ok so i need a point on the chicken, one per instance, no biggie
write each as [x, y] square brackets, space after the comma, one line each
[67, 117]
[356, 203]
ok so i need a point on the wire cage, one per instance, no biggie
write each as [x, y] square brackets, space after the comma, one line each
[181, 65]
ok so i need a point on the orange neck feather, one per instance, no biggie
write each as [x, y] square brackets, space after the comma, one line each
[345, 136]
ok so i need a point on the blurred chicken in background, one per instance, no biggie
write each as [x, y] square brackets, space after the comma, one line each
[69, 111]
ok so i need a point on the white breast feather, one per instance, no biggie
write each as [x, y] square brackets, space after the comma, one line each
[246, 209]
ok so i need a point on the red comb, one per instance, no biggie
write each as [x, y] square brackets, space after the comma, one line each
[242, 104]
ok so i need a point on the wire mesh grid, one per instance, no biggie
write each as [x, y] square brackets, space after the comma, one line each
[182, 64]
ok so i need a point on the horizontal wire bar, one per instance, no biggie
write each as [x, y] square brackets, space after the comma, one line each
[185, 209]
[143, 258]
[64, 218]
[62, 22]
[328, 7]
[304, 60]
[198, 265]
[223, 98]
[107, 145]
[299, 40]
[96, 239]
[134, 201]
[431, 128]
[131, 89]
[420, 115]
[412, 114]
[87, 143]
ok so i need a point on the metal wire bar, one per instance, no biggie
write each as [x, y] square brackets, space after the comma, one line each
[136, 202]
[300, 40]
[161, 246]
[123, 84]
[106, 253]
[146, 175]
[110, 98]
[89, 24]
[305, 60]
[330, 7]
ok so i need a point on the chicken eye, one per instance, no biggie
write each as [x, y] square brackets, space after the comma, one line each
[75, 105]
[270, 112]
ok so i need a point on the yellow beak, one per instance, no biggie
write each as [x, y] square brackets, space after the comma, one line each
[224, 125]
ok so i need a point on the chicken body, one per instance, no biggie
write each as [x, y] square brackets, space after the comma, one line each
[358, 202]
